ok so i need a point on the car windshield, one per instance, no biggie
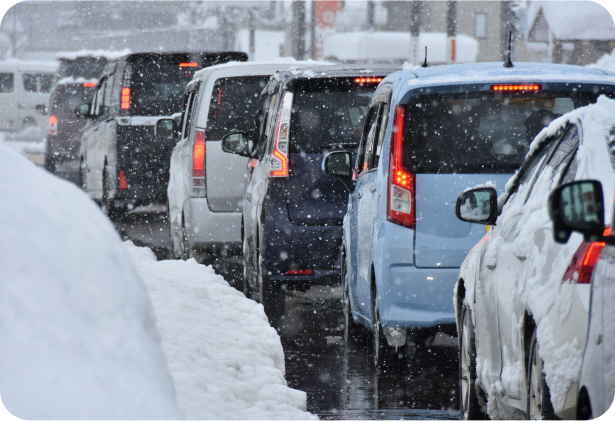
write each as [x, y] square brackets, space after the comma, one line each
[479, 132]
[66, 98]
[234, 102]
[328, 112]
[85, 67]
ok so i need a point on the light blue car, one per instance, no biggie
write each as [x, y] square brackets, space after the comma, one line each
[430, 133]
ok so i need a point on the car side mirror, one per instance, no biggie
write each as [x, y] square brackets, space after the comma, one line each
[339, 164]
[166, 129]
[578, 206]
[83, 111]
[478, 206]
[239, 143]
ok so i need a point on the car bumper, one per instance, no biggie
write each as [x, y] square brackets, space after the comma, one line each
[208, 230]
[411, 297]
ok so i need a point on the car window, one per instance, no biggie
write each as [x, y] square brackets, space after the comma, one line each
[381, 131]
[108, 87]
[6, 82]
[46, 82]
[190, 112]
[369, 131]
[29, 82]
[372, 137]
[565, 148]
[99, 99]
[182, 120]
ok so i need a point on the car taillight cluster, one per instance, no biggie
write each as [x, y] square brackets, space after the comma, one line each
[362, 80]
[400, 203]
[198, 164]
[584, 260]
[53, 125]
[122, 183]
[279, 161]
[125, 92]
[89, 84]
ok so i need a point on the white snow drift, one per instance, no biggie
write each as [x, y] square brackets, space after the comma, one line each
[77, 332]
[225, 359]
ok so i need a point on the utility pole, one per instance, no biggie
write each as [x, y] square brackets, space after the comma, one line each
[415, 31]
[451, 32]
[252, 35]
[313, 30]
[370, 14]
[298, 29]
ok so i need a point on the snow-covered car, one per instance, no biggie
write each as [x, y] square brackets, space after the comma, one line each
[578, 206]
[429, 131]
[206, 185]
[522, 299]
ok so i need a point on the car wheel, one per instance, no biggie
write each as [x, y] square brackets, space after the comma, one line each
[470, 408]
[185, 245]
[82, 175]
[272, 296]
[538, 395]
[247, 289]
[50, 164]
[379, 342]
[351, 329]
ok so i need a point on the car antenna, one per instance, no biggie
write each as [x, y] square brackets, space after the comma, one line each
[425, 62]
[509, 62]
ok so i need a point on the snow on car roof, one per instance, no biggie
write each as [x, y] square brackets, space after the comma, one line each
[72, 80]
[456, 74]
[340, 70]
[15, 64]
[73, 55]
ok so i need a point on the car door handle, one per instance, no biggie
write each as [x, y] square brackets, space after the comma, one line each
[95, 129]
[358, 195]
[249, 197]
[372, 188]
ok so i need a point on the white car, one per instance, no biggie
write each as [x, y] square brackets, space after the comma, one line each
[522, 299]
[206, 185]
[24, 93]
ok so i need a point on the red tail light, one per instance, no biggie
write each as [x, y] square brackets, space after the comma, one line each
[125, 100]
[53, 125]
[122, 180]
[400, 203]
[509, 88]
[362, 80]
[584, 260]
[188, 64]
[198, 164]
[300, 272]
[279, 163]
[89, 84]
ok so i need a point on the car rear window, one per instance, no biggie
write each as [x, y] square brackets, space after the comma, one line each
[65, 98]
[328, 113]
[39, 82]
[7, 82]
[85, 67]
[479, 132]
[233, 106]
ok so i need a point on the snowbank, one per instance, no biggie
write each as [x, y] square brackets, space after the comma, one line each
[78, 337]
[225, 359]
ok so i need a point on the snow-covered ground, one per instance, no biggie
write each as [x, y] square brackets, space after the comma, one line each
[225, 359]
[82, 336]
[30, 142]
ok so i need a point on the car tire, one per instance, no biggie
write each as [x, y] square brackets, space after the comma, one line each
[185, 253]
[82, 175]
[469, 405]
[379, 344]
[51, 164]
[352, 330]
[106, 204]
[247, 289]
[538, 396]
[272, 295]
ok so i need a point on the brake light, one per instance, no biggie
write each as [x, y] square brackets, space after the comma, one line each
[400, 202]
[584, 260]
[368, 80]
[125, 101]
[509, 88]
[279, 161]
[89, 84]
[122, 180]
[53, 125]
[198, 164]
[300, 272]
[188, 64]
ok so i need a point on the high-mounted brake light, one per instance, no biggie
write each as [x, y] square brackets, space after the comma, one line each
[400, 202]
[300, 272]
[368, 80]
[517, 88]
[89, 84]
[279, 162]
[198, 164]
[125, 100]
[188, 64]
[584, 260]
[53, 125]
[122, 180]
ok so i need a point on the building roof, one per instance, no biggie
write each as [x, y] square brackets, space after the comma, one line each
[572, 20]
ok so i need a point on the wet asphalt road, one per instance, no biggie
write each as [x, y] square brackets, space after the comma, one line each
[339, 380]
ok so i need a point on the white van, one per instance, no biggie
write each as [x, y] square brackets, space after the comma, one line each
[24, 93]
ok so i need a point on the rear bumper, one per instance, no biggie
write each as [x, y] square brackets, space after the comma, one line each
[411, 297]
[207, 230]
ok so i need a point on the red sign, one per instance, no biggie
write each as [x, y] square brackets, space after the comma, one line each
[326, 12]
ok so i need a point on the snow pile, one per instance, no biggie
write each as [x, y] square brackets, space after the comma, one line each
[108, 54]
[78, 337]
[225, 359]
[606, 62]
